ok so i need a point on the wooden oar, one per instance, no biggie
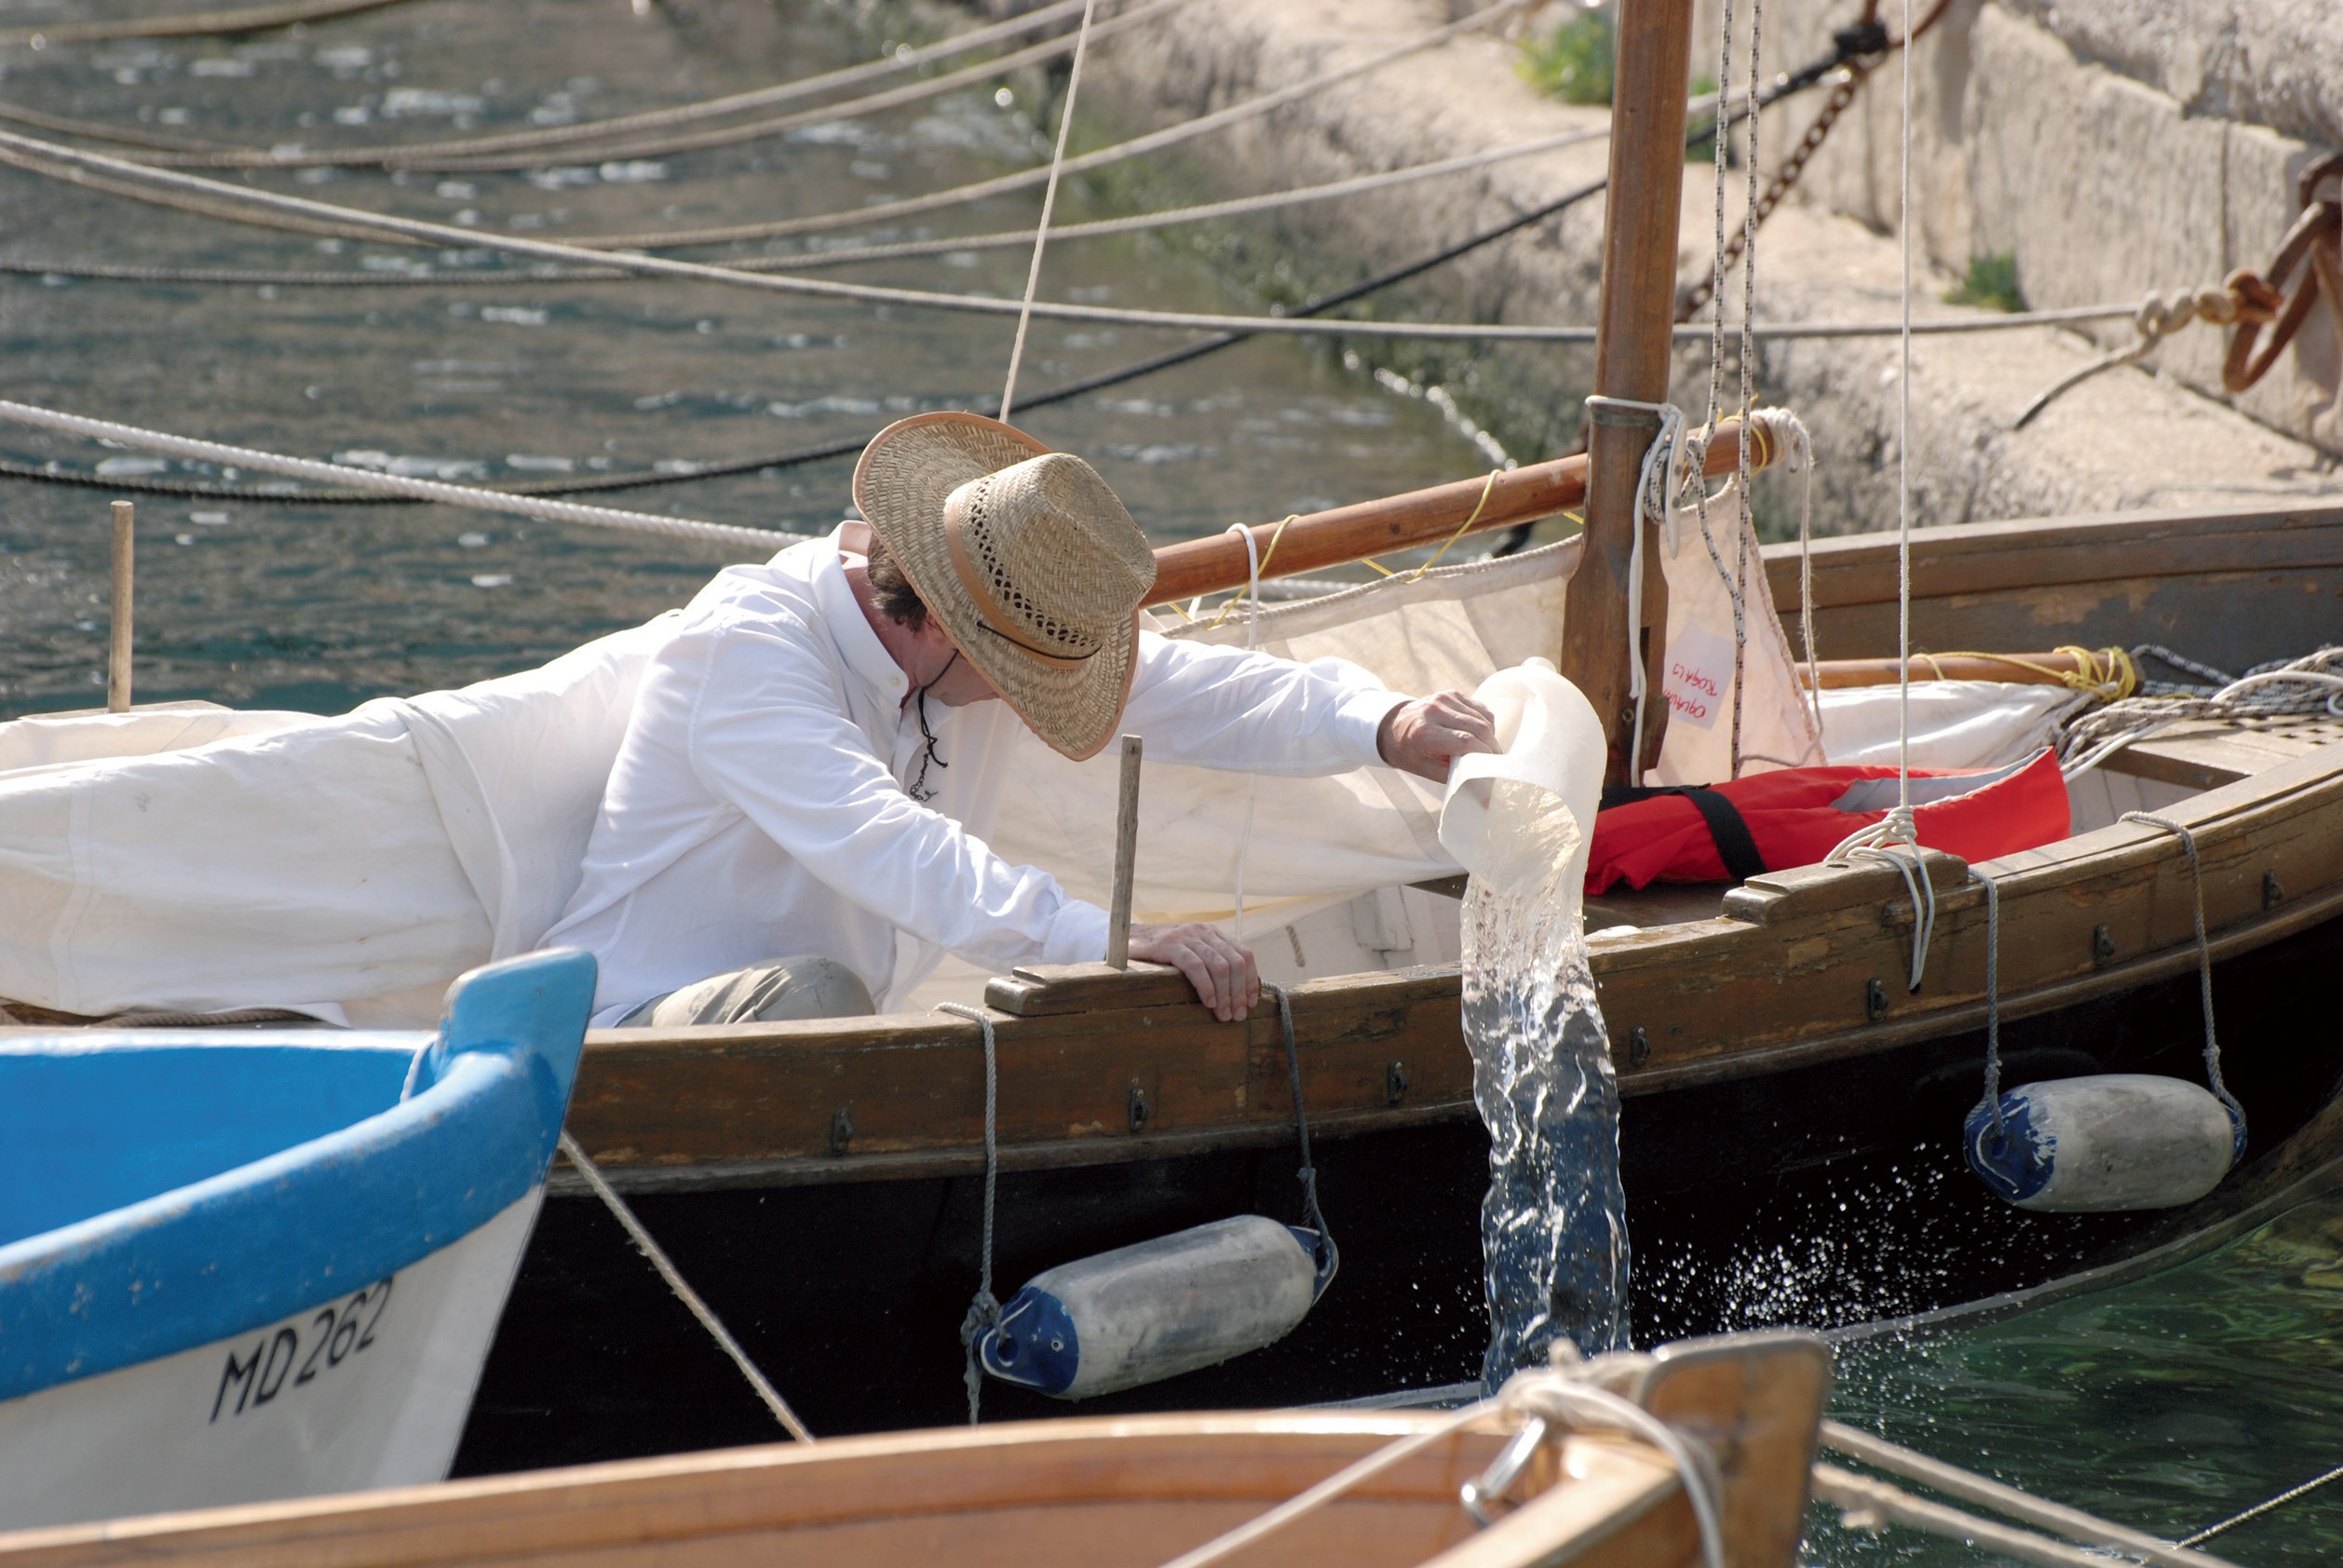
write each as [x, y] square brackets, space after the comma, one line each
[1318, 540]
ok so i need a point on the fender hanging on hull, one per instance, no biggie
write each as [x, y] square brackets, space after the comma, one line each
[2112, 1141]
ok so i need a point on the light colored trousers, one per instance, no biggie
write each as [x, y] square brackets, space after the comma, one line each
[775, 993]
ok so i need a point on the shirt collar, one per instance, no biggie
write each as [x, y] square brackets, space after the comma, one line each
[858, 644]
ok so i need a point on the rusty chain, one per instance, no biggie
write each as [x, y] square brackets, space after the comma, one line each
[2310, 263]
[2311, 257]
[1861, 49]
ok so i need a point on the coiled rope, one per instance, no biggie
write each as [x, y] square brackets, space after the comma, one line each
[2312, 685]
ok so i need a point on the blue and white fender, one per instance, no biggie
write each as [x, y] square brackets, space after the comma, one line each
[241, 1266]
[1144, 1312]
[2112, 1141]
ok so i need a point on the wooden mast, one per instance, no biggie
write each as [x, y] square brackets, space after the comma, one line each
[1632, 358]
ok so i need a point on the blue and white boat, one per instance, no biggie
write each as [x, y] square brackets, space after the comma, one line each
[237, 1267]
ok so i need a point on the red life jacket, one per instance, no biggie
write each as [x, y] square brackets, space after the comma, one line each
[1795, 817]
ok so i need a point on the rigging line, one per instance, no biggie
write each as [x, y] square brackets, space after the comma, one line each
[1903, 465]
[362, 479]
[834, 257]
[1251, 108]
[48, 157]
[368, 155]
[245, 19]
[2264, 1506]
[125, 136]
[765, 1392]
[679, 142]
[1049, 205]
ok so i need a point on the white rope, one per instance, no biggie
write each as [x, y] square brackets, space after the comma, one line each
[1954, 1481]
[985, 1308]
[1251, 108]
[1865, 1504]
[1252, 645]
[1917, 882]
[2281, 1500]
[758, 130]
[392, 154]
[1897, 827]
[1049, 205]
[391, 484]
[74, 164]
[1552, 1396]
[683, 1292]
[2204, 960]
[1656, 484]
[1902, 820]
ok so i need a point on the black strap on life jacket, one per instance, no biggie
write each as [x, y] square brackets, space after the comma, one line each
[1735, 846]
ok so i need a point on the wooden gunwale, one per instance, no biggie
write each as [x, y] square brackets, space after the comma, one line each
[1955, 558]
[1714, 1000]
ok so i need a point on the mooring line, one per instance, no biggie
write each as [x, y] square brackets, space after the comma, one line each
[1049, 205]
[414, 489]
[245, 19]
[389, 155]
[683, 1292]
[47, 157]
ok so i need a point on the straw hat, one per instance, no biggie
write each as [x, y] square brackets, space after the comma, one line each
[1027, 557]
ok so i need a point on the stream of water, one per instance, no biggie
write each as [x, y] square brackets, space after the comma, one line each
[1553, 1224]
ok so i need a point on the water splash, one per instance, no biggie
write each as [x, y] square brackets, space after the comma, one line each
[1553, 1224]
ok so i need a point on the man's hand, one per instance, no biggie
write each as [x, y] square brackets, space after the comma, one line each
[1222, 971]
[1425, 735]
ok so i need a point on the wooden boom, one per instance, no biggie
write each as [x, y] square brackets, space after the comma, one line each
[1318, 540]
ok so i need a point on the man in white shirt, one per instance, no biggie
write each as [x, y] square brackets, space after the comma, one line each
[794, 826]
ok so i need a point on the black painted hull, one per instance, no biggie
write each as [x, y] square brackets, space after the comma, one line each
[1828, 1194]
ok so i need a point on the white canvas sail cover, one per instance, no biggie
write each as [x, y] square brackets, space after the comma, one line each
[192, 858]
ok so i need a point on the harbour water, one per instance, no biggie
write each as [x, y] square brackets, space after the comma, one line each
[2171, 1404]
[500, 382]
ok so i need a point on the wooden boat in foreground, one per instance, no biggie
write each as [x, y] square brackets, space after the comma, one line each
[1138, 1490]
[267, 1266]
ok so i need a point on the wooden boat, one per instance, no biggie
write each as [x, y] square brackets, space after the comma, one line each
[1137, 1491]
[821, 1182]
[256, 1268]
[1787, 1100]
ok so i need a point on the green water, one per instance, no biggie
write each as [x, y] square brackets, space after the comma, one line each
[2169, 1404]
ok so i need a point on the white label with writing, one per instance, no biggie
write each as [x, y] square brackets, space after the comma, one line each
[1699, 674]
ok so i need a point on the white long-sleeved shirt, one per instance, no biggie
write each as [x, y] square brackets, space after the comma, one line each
[759, 806]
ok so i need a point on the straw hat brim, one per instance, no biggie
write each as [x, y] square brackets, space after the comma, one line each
[901, 484]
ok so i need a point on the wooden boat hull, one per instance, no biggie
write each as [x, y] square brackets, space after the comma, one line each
[851, 1295]
[819, 1181]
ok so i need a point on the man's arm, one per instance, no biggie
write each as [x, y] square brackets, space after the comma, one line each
[1218, 706]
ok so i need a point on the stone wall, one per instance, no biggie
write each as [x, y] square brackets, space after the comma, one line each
[2025, 147]
[2112, 147]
